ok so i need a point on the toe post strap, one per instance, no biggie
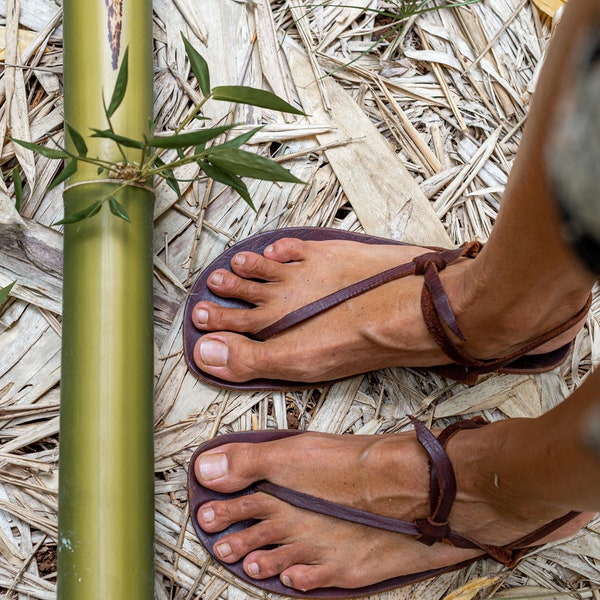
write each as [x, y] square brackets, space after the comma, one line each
[427, 264]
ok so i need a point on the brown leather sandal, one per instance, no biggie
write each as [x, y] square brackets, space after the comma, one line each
[438, 314]
[428, 530]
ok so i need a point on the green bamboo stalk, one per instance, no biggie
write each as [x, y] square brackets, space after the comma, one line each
[105, 541]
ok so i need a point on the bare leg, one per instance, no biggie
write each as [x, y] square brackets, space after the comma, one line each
[503, 299]
[512, 476]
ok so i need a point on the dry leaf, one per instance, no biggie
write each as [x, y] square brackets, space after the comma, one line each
[550, 7]
[527, 592]
[471, 589]
[25, 38]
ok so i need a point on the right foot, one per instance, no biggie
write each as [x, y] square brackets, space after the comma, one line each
[380, 328]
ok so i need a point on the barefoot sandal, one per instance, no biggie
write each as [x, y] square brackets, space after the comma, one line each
[437, 312]
[428, 530]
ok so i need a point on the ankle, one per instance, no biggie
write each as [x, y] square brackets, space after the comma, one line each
[510, 315]
[496, 476]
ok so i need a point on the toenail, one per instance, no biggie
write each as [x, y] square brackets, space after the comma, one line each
[216, 278]
[268, 250]
[213, 353]
[208, 514]
[239, 259]
[286, 581]
[202, 316]
[212, 466]
[253, 570]
[223, 550]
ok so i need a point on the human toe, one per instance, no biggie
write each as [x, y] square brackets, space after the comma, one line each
[209, 316]
[305, 577]
[256, 266]
[219, 515]
[229, 285]
[213, 355]
[231, 468]
[236, 358]
[286, 250]
[236, 546]
[261, 564]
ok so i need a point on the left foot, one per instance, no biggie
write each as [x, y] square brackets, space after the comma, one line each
[387, 475]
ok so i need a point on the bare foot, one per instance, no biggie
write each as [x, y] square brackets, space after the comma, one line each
[387, 475]
[378, 329]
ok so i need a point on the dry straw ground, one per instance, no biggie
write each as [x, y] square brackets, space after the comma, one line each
[414, 140]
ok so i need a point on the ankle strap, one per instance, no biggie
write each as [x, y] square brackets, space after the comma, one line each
[442, 481]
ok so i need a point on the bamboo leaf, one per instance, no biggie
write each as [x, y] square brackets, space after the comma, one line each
[117, 209]
[199, 67]
[120, 139]
[78, 141]
[120, 86]
[192, 138]
[5, 292]
[68, 170]
[229, 179]
[168, 175]
[43, 150]
[253, 96]
[240, 140]
[18, 188]
[81, 215]
[247, 164]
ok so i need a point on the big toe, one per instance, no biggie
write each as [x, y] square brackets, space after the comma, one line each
[232, 357]
[230, 468]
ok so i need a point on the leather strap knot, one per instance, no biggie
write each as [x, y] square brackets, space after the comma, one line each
[423, 262]
[431, 531]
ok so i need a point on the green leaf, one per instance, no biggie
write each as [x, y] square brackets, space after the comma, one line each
[240, 140]
[168, 176]
[229, 179]
[117, 209]
[81, 215]
[253, 96]
[18, 188]
[172, 183]
[43, 150]
[4, 293]
[68, 170]
[120, 86]
[199, 67]
[78, 141]
[192, 138]
[120, 139]
[247, 164]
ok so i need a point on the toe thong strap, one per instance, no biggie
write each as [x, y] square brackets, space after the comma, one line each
[429, 264]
